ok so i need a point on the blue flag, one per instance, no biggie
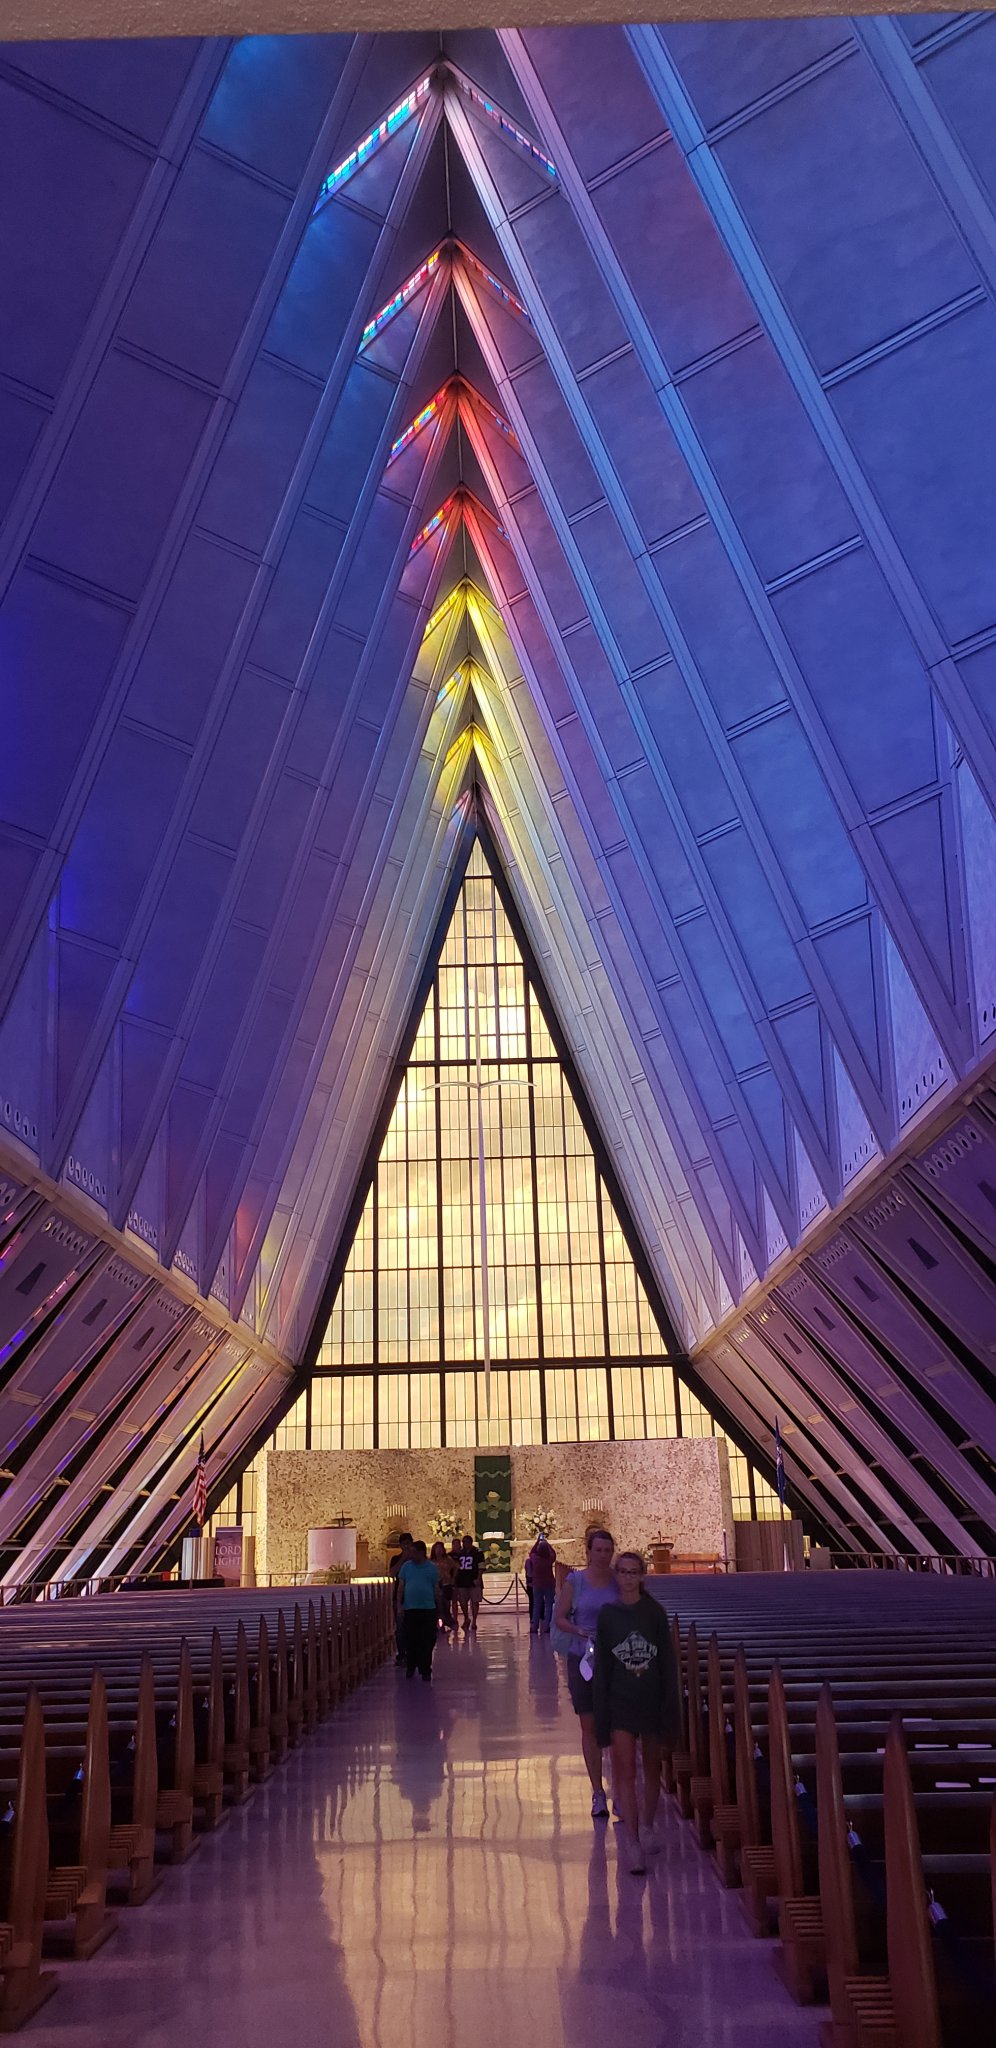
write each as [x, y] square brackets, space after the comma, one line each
[779, 1464]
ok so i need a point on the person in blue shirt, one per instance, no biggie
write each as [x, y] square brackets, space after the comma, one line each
[418, 1608]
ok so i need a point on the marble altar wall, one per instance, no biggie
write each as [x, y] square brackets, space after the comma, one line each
[678, 1486]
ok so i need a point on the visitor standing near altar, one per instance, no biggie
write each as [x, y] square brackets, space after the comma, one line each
[580, 1601]
[418, 1606]
[542, 1558]
[469, 1580]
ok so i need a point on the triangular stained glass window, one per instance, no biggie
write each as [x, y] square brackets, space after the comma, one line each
[547, 1213]
[574, 1356]
[562, 1284]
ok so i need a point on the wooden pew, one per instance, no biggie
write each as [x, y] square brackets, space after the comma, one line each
[132, 1845]
[757, 1857]
[725, 1822]
[78, 1799]
[24, 1985]
[236, 1755]
[261, 1753]
[929, 1995]
[949, 1688]
[208, 1783]
[184, 1724]
[175, 1795]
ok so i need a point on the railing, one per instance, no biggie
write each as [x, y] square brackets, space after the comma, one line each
[944, 1565]
[22, 1590]
[941, 1565]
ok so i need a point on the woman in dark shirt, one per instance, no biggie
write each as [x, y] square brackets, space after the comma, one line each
[635, 1694]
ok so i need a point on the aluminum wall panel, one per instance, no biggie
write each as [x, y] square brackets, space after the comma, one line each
[111, 1292]
[126, 1362]
[39, 1264]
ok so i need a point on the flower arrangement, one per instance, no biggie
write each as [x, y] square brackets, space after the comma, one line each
[333, 1575]
[540, 1522]
[445, 1525]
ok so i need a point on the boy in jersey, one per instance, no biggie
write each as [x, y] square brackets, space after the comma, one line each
[468, 1584]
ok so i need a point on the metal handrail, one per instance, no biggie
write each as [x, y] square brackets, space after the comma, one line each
[27, 1590]
[950, 1564]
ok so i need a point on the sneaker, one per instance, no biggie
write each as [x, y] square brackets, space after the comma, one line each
[635, 1859]
[599, 1806]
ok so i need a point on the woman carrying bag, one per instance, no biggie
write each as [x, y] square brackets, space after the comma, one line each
[575, 1616]
[635, 1699]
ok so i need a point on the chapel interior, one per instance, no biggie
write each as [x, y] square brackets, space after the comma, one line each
[497, 1016]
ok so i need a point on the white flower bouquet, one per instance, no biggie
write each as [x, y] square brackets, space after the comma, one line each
[539, 1522]
[444, 1525]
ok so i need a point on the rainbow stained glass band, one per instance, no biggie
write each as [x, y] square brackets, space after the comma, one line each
[371, 143]
[481, 270]
[431, 526]
[508, 128]
[456, 596]
[415, 426]
[446, 689]
[495, 418]
[401, 297]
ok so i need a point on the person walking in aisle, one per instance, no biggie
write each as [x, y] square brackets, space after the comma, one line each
[446, 1567]
[469, 1583]
[404, 1551]
[635, 1695]
[542, 1557]
[418, 1605]
[579, 1603]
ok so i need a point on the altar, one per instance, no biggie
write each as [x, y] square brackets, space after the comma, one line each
[675, 1488]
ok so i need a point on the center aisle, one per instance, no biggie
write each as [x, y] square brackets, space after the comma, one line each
[425, 1872]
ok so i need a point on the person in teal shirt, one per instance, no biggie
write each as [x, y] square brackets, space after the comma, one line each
[418, 1604]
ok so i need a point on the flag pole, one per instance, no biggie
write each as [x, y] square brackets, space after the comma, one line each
[482, 1188]
[780, 1486]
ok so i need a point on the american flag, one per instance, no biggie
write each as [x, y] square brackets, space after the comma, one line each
[198, 1506]
[779, 1464]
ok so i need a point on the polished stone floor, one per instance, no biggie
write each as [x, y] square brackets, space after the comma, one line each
[424, 1874]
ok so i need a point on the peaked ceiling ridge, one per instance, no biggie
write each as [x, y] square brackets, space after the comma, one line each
[787, 1220]
[464, 500]
[531, 431]
[555, 897]
[444, 71]
[552, 730]
[495, 702]
[458, 736]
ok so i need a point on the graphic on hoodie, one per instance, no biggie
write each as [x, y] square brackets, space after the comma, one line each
[635, 1654]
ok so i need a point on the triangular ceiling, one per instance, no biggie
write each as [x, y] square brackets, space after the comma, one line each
[403, 425]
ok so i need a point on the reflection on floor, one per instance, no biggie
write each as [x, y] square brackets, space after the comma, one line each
[425, 1875]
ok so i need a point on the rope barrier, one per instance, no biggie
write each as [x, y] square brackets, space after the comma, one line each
[502, 1597]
